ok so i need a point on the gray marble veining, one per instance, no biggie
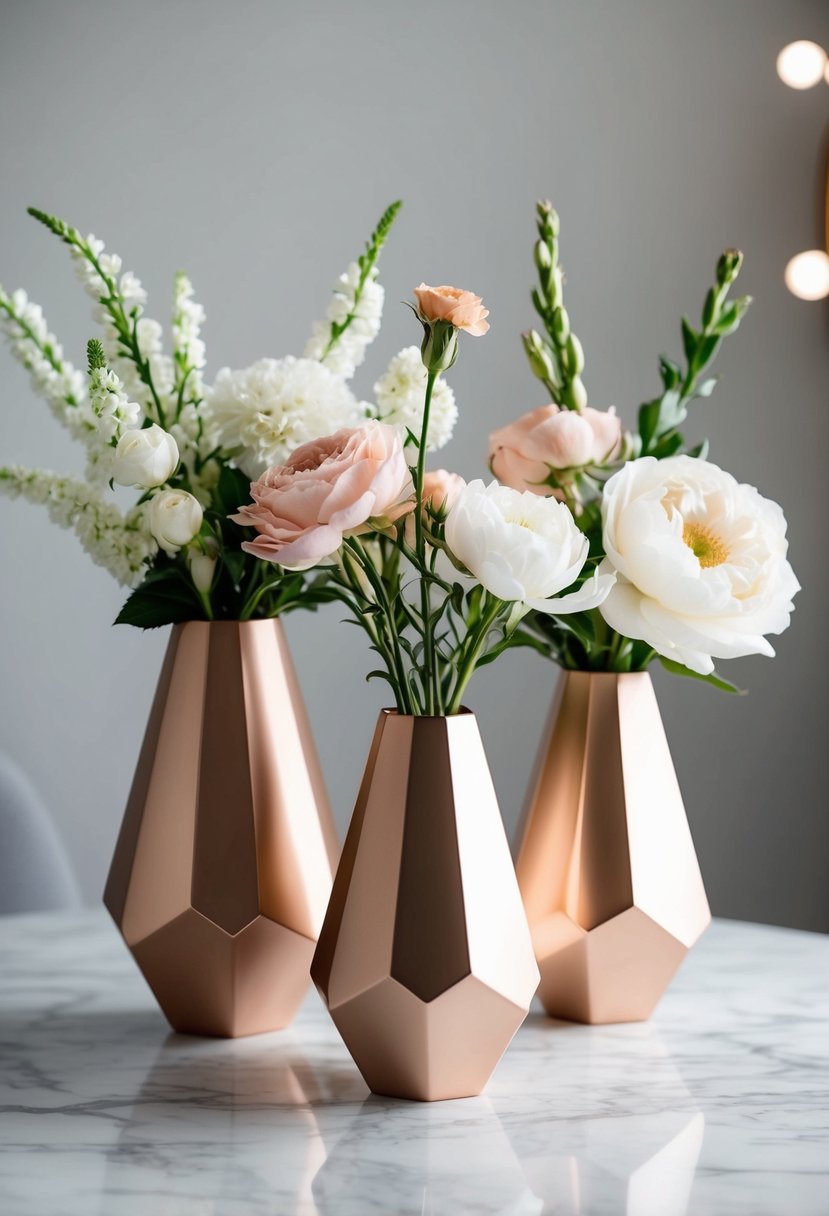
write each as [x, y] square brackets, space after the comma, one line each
[719, 1105]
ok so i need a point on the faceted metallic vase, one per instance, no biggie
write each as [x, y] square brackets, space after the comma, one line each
[606, 864]
[425, 960]
[226, 855]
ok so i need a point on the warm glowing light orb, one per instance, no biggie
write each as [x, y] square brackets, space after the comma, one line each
[801, 65]
[807, 275]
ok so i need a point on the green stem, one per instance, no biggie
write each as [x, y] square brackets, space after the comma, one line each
[429, 680]
[470, 660]
[208, 607]
[392, 647]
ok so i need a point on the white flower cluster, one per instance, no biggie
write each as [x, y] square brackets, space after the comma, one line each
[400, 395]
[189, 351]
[101, 275]
[349, 349]
[115, 415]
[121, 544]
[264, 411]
[63, 386]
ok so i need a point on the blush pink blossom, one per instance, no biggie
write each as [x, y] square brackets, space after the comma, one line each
[329, 489]
[441, 488]
[523, 453]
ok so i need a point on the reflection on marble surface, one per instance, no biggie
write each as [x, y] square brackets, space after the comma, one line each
[720, 1105]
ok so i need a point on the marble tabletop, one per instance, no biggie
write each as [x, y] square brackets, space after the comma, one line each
[719, 1105]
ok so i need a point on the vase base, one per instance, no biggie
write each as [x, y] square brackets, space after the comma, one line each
[219, 985]
[616, 972]
[427, 1051]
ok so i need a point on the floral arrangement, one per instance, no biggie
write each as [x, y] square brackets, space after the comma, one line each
[437, 572]
[697, 563]
[147, 419]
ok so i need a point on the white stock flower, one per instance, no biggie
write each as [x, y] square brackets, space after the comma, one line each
[349, 350]
[188, 318]
[701, 561]
[122, 545]
[145, 458]
[174, 518]
[63, 386]
[400, 393]
[522, 548]
[263, 412]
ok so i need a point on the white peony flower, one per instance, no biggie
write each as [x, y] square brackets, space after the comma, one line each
[145, 458]
[522, 548]
[400, 395]
[263, 412]
[701, 561]
[174, 517]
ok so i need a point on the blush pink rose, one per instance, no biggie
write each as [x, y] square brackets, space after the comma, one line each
[463, 309]
[523, 453]
[441, 488]
[330, 488]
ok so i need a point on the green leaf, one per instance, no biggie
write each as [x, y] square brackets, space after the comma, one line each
[700, 452]
[150, 608]
[231, 492]
[671, 375]
[690, 338]
[648, 422]
[678, 669]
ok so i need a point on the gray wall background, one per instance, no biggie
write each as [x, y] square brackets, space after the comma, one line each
[254, 144]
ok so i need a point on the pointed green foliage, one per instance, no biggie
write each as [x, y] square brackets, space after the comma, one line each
[678, 669]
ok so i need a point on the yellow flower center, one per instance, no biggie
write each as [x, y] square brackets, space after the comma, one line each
[706, 546]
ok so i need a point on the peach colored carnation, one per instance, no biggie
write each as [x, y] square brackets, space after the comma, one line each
[329, 489]
[523, 453]
[463, 309]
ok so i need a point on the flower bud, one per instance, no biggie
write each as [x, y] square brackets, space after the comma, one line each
[543, 257]
[560, 326]
[728, 267]
[540, 362]
[175, 517]
[202, 566]
[574, 395]
[440, 346]
[145, 458]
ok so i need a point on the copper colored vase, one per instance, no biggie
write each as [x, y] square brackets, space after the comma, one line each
[224, 863]
[425, 960]
[606, 864]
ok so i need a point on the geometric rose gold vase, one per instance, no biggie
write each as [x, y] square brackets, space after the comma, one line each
[606, 864]
[226, 854]
[425, 960]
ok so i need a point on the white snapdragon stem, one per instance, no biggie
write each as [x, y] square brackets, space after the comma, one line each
[352, 319]
[121, 544]
[41, 354]
[351, 323]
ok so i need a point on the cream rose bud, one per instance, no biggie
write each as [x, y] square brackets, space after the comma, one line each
[701, 561]
[522, 548]
[174, 518]
[202, 567]
[523, 453]
[145, 458]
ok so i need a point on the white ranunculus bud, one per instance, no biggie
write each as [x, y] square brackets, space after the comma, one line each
[202, 567]
[522, 548]
[145, 458]
[701, 561]
[175, 518]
